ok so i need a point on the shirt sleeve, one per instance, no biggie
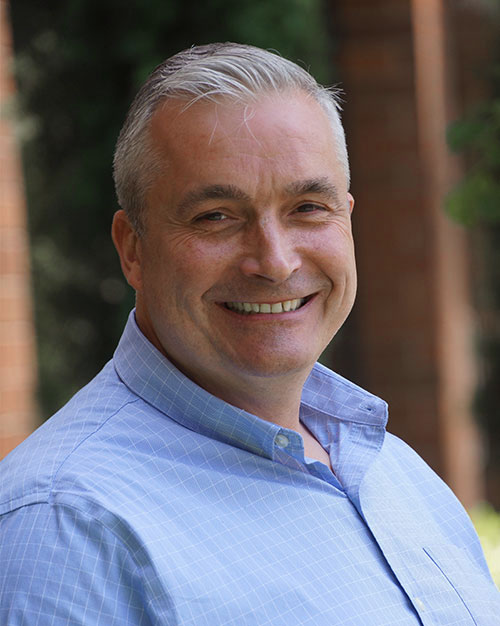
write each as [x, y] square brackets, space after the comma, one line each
[59, 566]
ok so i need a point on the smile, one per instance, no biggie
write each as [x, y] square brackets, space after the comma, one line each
[249, 308]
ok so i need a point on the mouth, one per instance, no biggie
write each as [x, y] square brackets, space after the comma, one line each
[252, 308]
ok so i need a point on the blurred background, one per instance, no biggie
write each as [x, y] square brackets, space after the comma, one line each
[422, 117]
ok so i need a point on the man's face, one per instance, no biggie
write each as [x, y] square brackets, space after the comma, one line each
[246, 267]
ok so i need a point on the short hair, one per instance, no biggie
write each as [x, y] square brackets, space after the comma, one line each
[212, 72]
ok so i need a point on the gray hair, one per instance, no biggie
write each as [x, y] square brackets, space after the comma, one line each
[211, 72]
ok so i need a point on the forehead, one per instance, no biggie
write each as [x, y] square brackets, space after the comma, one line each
[269, 113]
[267, 143]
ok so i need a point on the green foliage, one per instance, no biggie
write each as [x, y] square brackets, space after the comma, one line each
[487, 523]
[78, 65]
[476, 200]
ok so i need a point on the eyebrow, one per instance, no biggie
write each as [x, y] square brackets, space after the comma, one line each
[210, 192]
[322, 186]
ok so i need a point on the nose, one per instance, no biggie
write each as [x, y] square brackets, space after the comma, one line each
[269, 252]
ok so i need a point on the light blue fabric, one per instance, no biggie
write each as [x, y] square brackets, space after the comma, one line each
[146, 500]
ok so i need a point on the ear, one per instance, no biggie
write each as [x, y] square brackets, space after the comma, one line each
[127, 244]
[351, 202]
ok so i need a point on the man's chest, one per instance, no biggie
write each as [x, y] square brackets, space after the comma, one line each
[277, 546]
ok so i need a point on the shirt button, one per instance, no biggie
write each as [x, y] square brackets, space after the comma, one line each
[419, 604]
[281, 441]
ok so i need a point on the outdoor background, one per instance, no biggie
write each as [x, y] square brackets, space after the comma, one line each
[422, 116]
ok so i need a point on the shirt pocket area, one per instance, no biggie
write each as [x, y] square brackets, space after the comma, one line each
[472, 585]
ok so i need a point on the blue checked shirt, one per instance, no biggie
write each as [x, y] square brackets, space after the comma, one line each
[146, 500]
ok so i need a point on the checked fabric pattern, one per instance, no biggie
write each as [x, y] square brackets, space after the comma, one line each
[148, 501]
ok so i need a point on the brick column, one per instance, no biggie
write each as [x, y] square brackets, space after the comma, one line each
[413, 313]
[17, 353]
[450, 252]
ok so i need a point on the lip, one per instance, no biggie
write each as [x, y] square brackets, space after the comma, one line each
[269, 316]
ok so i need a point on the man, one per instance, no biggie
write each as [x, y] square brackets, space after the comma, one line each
[212, 473]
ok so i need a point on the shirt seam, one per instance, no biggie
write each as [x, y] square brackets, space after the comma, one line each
[80, 443]
[102, 523]
[428, 552]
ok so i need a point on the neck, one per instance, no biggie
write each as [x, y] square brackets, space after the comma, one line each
[276, 401]
[275, 398]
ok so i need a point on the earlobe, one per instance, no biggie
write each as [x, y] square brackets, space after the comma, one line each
[127, 245]
[351, 202]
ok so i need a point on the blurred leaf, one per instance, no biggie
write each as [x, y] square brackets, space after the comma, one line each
[476, 199]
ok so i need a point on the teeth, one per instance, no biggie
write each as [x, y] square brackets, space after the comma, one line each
[264, 307]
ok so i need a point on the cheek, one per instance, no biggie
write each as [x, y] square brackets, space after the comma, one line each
[204, 260]
[335, 253]
[185, 271]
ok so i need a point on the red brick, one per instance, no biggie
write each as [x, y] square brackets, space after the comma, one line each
[17, 353]
[7, 444]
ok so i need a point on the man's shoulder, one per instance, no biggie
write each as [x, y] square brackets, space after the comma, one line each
[397, 455]
[407, 481]
[39, 464]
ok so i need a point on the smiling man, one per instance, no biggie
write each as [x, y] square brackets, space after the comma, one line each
[244, 265]
[213, 473]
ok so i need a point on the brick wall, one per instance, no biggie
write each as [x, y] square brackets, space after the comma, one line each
[17, 354]
[414, 323]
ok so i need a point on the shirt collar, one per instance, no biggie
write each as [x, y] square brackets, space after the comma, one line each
[326, 396]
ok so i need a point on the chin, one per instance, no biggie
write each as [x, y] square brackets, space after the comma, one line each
[278, 365]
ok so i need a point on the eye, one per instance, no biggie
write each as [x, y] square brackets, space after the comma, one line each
[309, 207]
[214, 216]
